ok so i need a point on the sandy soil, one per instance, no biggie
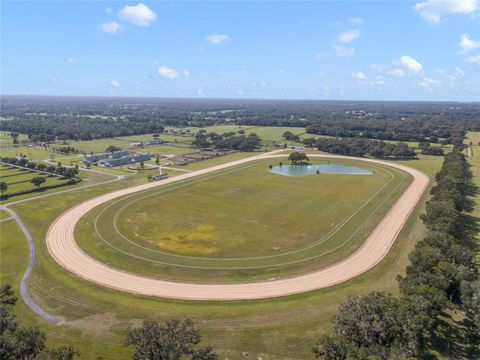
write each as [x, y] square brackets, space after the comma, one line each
[63, 248]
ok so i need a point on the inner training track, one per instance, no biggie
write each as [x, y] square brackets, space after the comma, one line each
[63, 248]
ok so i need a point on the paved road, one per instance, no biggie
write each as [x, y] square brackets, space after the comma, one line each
[26, 276]
[63, 248]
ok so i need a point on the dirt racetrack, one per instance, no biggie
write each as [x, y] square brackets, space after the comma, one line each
[63, 248]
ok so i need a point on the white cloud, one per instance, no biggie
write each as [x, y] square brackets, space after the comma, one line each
[434, 10]
[356, 20]
[467, 43]
[71, 60]
[409, 64]
[139, 14]
[456, 73]
[360, 76]
[167, 72]
[218, 38]
[186, 73]
[428, 83]
[110, 27]
[474, 59]
[263, 83]
[365, 80]
[318, 55]
[375, 67]
[114, 83]
[343, 51]
[349, 36]
[397, 72]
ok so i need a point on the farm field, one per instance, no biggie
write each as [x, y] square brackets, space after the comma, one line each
[12, 175]
[19, 179]
[297, 223]
[89, 311]
[33, 153]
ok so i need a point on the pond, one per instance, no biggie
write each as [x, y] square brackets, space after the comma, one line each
[301, 170]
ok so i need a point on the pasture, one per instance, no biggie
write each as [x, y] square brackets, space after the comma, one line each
[272, 329]
[19, 179]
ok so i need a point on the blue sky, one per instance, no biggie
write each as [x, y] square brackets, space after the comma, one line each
[376, 50]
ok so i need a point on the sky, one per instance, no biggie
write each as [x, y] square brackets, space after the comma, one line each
[372, 50]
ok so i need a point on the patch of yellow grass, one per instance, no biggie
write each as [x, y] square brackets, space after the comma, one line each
[199, 240]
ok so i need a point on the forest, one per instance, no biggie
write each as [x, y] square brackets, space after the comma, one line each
[85, 118]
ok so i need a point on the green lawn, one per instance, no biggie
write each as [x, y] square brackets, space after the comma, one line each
[94, 319]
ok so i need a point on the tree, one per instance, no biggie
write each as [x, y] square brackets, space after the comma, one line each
[38, 181]
[14, 136]
[70, 173]
[142, 164]
[156, 136]
[157, 161]
[3, 187]
[60, 353]
[377, 325]
[63, 138]
[22, 162]
[20, 342]
[174, 340]
[112, 148]
[298, 157]
[288, 135]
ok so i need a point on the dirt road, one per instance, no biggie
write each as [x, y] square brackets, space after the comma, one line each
[63, 248]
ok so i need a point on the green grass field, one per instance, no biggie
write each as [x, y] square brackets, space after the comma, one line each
[19, 179]
[94, 319]
[6, 139]
[266, 133]
[4, 215]
[32, 153]
[242, 224]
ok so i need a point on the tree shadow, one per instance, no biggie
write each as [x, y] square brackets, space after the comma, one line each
[455, 339]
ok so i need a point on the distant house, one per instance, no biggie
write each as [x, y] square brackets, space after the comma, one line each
[127, 160]
[94, 158]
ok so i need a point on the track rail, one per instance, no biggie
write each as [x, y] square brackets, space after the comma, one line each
[63, 248]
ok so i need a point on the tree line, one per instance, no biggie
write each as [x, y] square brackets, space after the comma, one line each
[66, 172]
[362, 147]
[81, 118]
[387, 129]
[227, 141]
[442, 274]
